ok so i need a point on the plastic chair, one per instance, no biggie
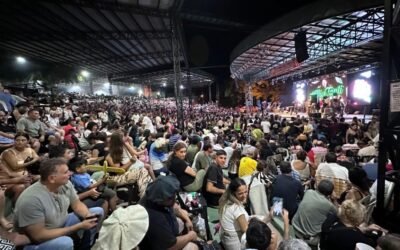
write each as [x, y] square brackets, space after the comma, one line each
[340, 185]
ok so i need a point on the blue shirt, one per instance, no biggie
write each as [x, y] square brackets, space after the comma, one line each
[157, 157]
[81, 181]
[8, 100]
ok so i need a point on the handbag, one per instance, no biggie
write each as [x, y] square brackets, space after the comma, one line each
[214, 245]
[247, 205]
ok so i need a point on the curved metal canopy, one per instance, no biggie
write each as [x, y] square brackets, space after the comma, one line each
[341, 41]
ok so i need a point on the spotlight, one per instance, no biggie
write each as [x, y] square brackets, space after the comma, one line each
[21, 60]
[85, 73]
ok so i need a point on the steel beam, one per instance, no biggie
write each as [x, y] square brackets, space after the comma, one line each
[112, 6]
[388, 144]
[84, 36]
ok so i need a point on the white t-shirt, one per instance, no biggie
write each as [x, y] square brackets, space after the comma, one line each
[148, 124]
[367, 151]
[266, 125]
[229, 217]
[229, 151]
[54, 121]
[333, 170]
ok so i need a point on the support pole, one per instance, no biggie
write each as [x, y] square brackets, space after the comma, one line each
[388, 143]
[209, 93]
[177, 73]
[248, 98]
[189, 86]
[217, 93]
[91, 87]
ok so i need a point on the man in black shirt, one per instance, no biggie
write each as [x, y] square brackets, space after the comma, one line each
[6, 132]
[214, 181]
[163, 232]
[288, 188]
[4, 127]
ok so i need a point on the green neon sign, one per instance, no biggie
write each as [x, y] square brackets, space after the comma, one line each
[329, 91]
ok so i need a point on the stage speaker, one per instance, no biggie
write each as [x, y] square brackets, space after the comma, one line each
[300, 44]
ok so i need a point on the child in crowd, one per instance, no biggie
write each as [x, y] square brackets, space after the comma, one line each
[83, 182]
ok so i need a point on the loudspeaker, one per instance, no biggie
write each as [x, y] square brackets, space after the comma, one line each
[300, 44]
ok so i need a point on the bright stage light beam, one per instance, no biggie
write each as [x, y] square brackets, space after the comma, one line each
[362, 90]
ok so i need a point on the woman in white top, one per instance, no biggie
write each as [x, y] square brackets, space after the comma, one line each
[233, 216]
[301, 165]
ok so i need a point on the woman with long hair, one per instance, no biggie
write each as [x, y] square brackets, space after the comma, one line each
[233, 216]
[190, 180]
[18, 158]
[16, 161]
[123, 155]
[14, 164]
[233, 164]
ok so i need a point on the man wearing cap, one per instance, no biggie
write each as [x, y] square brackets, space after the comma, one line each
[164, 231]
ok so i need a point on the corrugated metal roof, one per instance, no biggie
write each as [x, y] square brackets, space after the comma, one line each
[106, 37]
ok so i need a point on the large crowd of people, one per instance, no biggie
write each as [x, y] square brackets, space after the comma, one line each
[68, 161]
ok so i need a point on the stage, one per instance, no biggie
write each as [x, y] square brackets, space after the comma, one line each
[348, 117]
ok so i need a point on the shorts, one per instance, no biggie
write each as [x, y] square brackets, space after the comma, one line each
[108, 194]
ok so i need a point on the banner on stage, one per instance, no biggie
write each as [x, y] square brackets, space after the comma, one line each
[395, 97]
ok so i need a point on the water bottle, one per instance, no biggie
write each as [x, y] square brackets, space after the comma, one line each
[201, 225]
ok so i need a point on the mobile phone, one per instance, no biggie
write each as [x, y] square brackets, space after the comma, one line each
[277, 206]
[93, 216]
